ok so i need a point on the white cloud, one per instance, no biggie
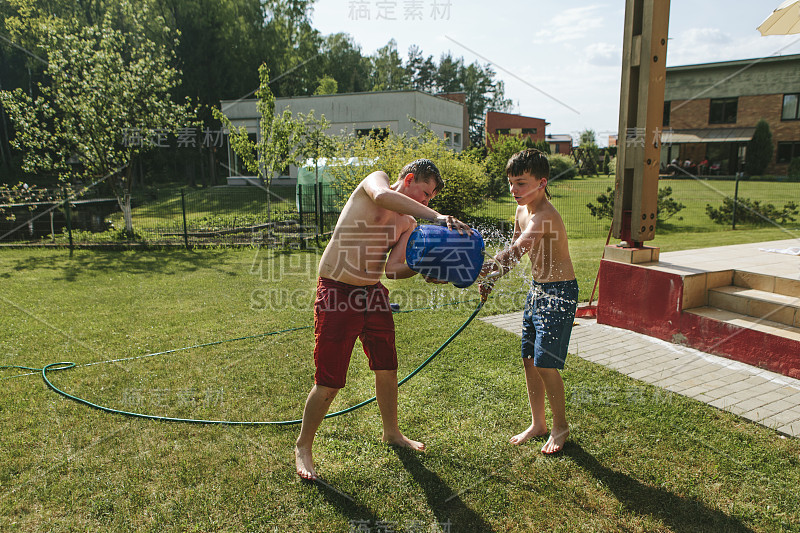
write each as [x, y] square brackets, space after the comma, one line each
[707, 45]
[603, 54]
[571, 24]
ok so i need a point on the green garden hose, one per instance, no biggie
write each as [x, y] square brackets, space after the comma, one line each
[52, 367]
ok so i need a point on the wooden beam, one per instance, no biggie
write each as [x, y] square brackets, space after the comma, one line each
[641, 111]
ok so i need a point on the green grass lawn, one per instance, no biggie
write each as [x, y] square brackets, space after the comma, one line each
[208, 208]
[571, 196]
[638, 459]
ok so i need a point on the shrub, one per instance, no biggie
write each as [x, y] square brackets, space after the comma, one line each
[794, 168]
[502, 149]
[759, 150]
[751, 212]
[666, 207]
[466, 184]
[562, 167]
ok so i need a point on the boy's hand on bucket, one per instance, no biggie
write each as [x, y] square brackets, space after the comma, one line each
[453, 223]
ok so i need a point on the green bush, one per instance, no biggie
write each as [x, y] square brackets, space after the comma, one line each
[794, 168]
[666, 207]
[759, 149]
[562, 167]
[466, 184]
[502, 149]
[751, 212]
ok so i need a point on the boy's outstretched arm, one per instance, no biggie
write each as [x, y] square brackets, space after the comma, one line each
[376, 185]
[508, 258]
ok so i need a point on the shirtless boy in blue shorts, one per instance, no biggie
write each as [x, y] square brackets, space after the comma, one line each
[551, 303]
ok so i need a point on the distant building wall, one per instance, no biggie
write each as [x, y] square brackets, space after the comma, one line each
[763, 88]
[359, 113]
[498, 123]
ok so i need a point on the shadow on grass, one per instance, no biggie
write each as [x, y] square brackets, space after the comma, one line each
[346, 506]
[135, 262]
[681, 514]
[437, 492]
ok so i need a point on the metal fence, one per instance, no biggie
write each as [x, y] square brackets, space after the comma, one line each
[291, 216]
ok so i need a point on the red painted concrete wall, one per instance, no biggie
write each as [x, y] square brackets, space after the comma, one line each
[639, 299]
[650, 302]
[756, 348]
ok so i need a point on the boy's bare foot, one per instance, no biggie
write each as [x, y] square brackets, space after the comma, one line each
[528, 434]
[556, 441]
[305, 464]
[403, 442]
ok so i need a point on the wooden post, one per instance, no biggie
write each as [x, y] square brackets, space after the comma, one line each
[640, 120]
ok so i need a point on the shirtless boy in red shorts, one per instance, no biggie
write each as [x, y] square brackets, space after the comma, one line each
[377, 219]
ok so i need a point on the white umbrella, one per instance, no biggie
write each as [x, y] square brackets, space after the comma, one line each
[784, 20]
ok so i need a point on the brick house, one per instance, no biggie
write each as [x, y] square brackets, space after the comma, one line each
[711, 109]
[498, 123]
[559, 144]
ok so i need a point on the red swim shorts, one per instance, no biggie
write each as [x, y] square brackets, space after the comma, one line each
[342, 313]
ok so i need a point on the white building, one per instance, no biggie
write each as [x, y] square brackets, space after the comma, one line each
[360, 114]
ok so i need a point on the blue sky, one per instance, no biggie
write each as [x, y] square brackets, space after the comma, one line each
[560, 61]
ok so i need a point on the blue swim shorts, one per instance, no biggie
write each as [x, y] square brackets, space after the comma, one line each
[547, 322]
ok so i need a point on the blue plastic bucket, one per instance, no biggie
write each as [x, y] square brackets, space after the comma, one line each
[444, 254]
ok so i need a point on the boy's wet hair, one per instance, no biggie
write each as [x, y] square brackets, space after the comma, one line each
[425, 170]
[532, 161]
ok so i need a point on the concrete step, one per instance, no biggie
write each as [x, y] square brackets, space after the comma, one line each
[733, 318]
[757, 303]
[763, 282]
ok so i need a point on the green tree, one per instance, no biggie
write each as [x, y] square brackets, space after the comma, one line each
[276, 146]
[464, 175]
[421, 71]
[342, 60]
[108, 99]
[759, 150]
[327, 85]
[562, 167]
[503, 147]
[448, 73]
[292, 47]
[666, 207]
[315, 144]
[589, 153]
[588, 136]
[388, 72]
[220, 47]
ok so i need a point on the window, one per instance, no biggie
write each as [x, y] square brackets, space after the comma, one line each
[667, 108]
[457, 140]
[373, 133]
[790, 107]
[448, 138]
[502, 131]
[787, 151]
[529, 131]
[723, 111]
